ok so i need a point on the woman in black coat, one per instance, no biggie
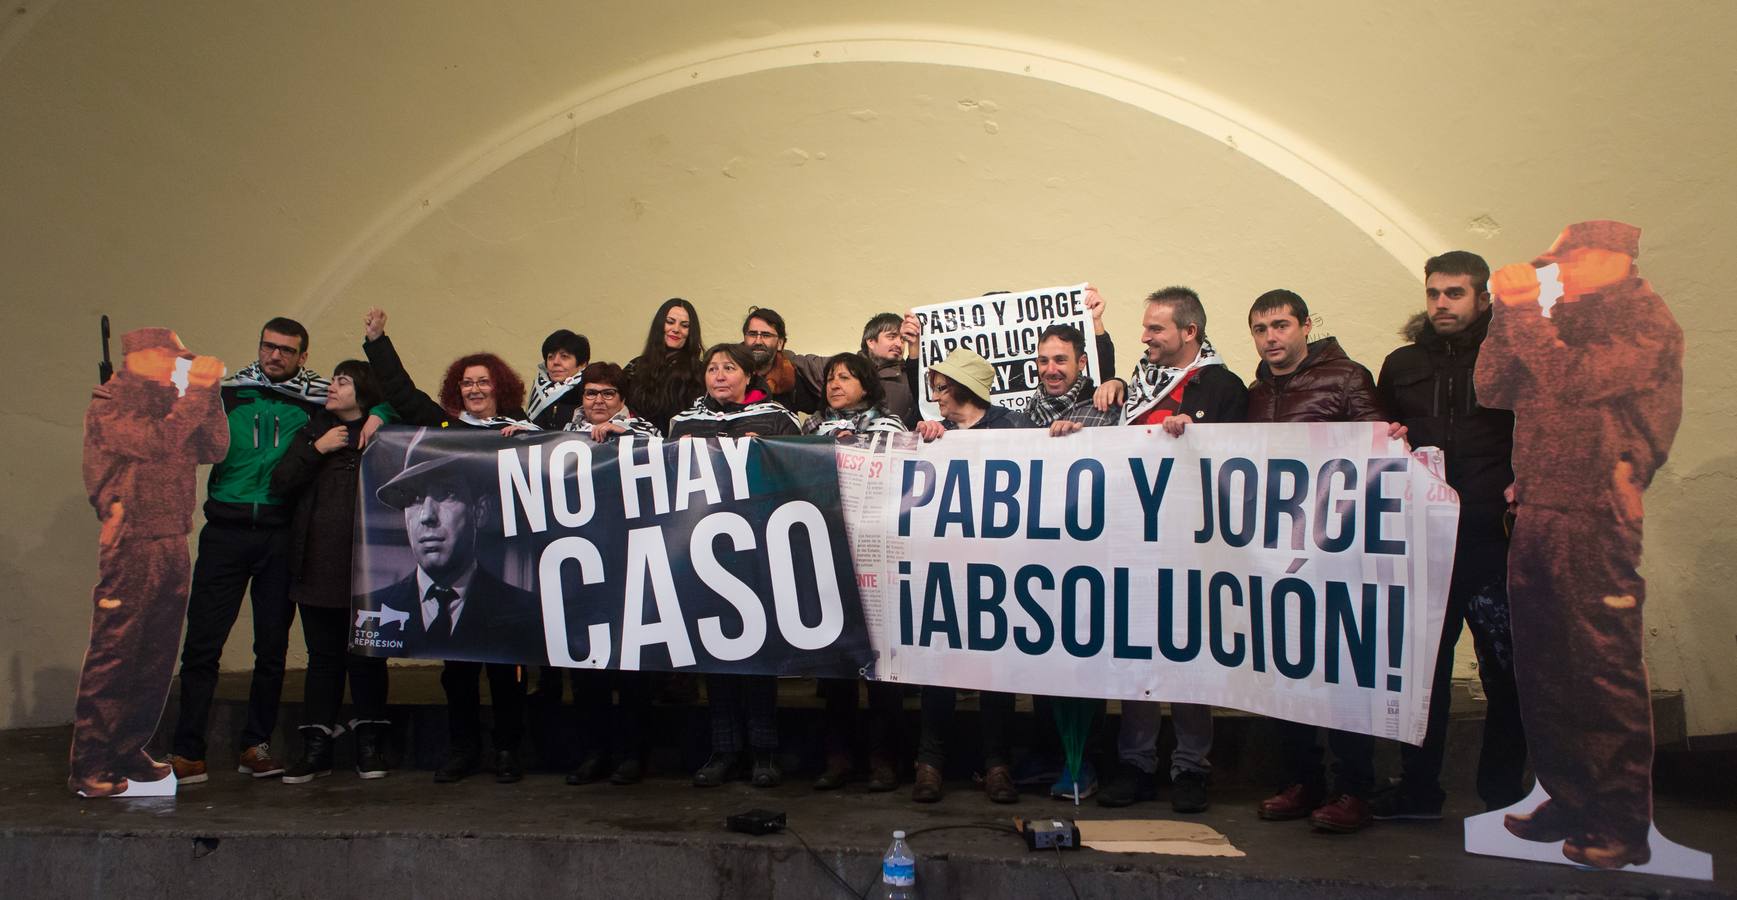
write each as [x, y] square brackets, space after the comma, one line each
[666, 376]
[734, 406]
[320, 472]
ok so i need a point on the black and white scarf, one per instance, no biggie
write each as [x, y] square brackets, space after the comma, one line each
[709, 409]
[622, 417]
[1151, 382]
[303, 385]
[546, 390]
[1045, 409]
[867, 420]
[496, 422]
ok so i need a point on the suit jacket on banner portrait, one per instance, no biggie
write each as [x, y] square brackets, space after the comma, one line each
[498, 620]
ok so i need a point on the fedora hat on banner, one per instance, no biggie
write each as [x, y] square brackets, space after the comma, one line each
[421, 462]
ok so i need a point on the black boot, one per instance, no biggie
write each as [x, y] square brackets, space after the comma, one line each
[371, 749]
[316, 758]
[719, 768]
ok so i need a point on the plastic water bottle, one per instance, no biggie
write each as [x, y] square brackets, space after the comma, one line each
[899, 870]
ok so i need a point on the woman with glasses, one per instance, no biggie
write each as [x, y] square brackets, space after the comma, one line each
[744, 708]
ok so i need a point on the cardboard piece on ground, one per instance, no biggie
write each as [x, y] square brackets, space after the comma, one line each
[1154, 836]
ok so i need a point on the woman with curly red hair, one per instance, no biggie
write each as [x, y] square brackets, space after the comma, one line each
[478, 391]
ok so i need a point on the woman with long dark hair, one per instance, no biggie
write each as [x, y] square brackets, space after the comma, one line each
[320, 472]
[744, 708]
[666, 376]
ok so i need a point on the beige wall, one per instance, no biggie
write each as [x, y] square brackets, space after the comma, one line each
[488, 173]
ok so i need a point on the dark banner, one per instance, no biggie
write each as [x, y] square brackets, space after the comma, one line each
[715, 555]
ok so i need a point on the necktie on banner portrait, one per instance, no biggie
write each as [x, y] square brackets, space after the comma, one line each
[1297, 571]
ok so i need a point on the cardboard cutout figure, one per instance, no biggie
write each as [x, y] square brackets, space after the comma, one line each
[142, 448]
[1591, 362]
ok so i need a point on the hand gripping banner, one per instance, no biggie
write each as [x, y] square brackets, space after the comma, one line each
[1296, 571]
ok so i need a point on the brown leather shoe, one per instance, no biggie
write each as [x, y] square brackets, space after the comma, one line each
[836, 774]
[189, 771]
[883, 776]
[1345, 815]
[1293, 802]
[1547, 824]
[1601, 851]
[97, 785]
[998, 784]
[928, 786]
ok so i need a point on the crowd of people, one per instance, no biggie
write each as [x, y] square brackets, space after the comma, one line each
[281, 510]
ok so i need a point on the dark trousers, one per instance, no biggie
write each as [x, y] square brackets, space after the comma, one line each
[1581, 674]
[462, 682]
[606, 724]
[886, 703]
[1353, 758]
[1478, 598]
[330, 664]
[230, 557]
[744, 710]
[995, 723]
[137, 606]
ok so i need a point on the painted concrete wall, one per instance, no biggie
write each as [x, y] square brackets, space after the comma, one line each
[490, 173]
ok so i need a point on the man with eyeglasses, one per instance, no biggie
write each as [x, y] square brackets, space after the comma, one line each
[791, 381]
[245, 544]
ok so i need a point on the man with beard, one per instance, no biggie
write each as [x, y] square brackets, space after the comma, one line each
[142, 447]
[1428, 386]
[1595, 380]
[244, 550]
[1179, 380]
[763, 333]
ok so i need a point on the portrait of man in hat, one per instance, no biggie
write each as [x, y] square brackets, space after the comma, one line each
[448, 606]
[1591, 362]
[161, 418]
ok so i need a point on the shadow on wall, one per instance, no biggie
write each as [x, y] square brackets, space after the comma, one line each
[1687, 546]
[49, 621]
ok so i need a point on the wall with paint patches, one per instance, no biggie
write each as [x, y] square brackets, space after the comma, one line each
[489, 175]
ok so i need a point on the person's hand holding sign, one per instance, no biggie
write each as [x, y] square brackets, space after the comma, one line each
[1095, 305]
[1062, 426]
[929, 429]
[912, 332]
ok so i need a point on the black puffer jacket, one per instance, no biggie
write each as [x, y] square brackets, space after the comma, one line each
[1427, 385]
[1325, 387]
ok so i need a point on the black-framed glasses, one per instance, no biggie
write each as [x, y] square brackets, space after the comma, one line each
[270, 349]
[601, 393]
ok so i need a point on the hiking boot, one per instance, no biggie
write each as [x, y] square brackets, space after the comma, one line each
[258, 762]
[459, 765]
[1602, 851]
[998, 784]
[316, 758]
[1294, 802]
[720, 767]
[1127, 786]
[188, 771]
[1188, 792]
[766, 773]
[837, 772]
[882, 776]
[1398, 804]
[1546, 825]
[1065, 785]
[590, 769]
[508, 768]
[1345, 815]
[371, 749]
[631, 771]
[927, 788]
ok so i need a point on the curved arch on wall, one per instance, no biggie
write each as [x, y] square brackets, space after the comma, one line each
[1371, 209]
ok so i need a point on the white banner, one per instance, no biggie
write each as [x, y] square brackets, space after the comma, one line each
[1003, 329]
[1295, 571]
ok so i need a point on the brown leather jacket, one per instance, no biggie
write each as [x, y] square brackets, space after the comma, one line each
[1326, 387]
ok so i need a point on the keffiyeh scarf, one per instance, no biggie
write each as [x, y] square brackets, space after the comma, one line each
[546, 390]
[496, 422]
[1151, 382]
[863, 421]
[303, 385]
[1045, 409]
